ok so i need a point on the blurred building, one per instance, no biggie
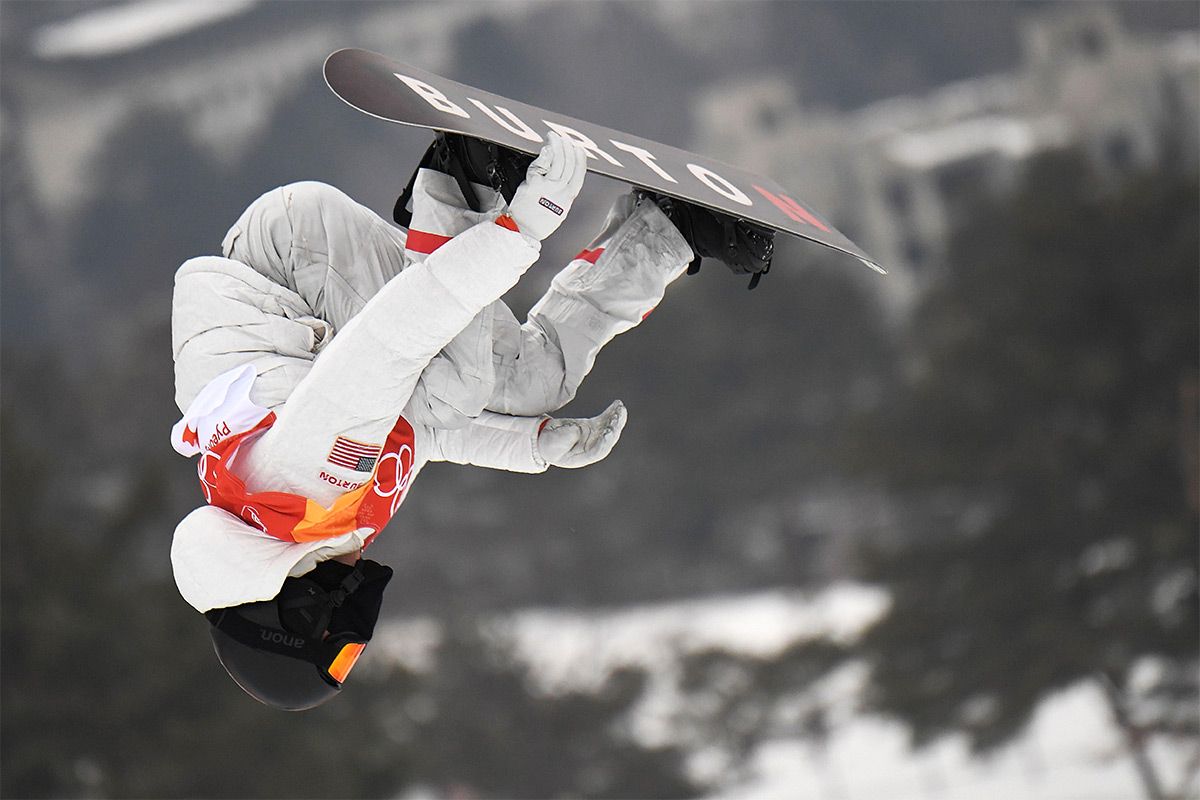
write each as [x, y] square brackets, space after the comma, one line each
[896, 174]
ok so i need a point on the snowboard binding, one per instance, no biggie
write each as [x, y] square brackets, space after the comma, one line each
[469, 161]
[743, 246]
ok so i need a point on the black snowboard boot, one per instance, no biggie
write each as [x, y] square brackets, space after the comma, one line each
[468, 161]
[743, 246]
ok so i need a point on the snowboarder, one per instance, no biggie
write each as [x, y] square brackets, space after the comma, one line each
[327, 355]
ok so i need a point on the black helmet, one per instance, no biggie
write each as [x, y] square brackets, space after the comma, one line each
[294, 652]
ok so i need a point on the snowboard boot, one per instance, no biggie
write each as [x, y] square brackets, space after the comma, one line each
[468, 161]
[743, 246]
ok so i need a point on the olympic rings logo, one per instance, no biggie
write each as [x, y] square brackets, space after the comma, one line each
[399, 473]
[250, 514]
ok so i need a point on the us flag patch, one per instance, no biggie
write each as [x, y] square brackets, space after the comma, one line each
[354, 455]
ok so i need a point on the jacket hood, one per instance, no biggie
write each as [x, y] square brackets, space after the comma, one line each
[220, 561]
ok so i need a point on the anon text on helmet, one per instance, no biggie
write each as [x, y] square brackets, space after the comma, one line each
[281, 638]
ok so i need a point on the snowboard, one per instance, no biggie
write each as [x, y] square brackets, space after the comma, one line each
[401, 93]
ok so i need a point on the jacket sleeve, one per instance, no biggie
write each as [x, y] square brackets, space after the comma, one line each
[420, 310]
[370, 368]
[497, 441]
[225, 315]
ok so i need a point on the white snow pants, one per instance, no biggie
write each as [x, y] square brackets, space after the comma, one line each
[337, 254]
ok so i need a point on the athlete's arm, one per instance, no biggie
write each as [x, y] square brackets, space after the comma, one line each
[530, 444]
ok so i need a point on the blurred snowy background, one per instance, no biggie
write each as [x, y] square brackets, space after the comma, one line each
[926, 536]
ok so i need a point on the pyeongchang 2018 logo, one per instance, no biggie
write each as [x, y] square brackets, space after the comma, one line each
[208, 474]
[250, 514]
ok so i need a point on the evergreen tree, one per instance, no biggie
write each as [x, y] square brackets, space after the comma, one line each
[1038, 447]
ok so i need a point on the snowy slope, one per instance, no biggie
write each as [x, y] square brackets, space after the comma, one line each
[1071, 750]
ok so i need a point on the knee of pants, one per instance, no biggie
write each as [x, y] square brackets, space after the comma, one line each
[298, 199]
[307, 200]
[270, 222]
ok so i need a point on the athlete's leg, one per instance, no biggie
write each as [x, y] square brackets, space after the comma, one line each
[610, 287]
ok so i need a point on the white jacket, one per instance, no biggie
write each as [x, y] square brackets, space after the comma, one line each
[227, 316]
[346, 369]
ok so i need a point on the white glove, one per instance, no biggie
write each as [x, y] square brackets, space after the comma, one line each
[574, 443]
[551, 183]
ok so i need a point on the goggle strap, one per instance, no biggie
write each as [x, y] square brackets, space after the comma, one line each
[260, 637]
[348, 586]
[314, 607]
